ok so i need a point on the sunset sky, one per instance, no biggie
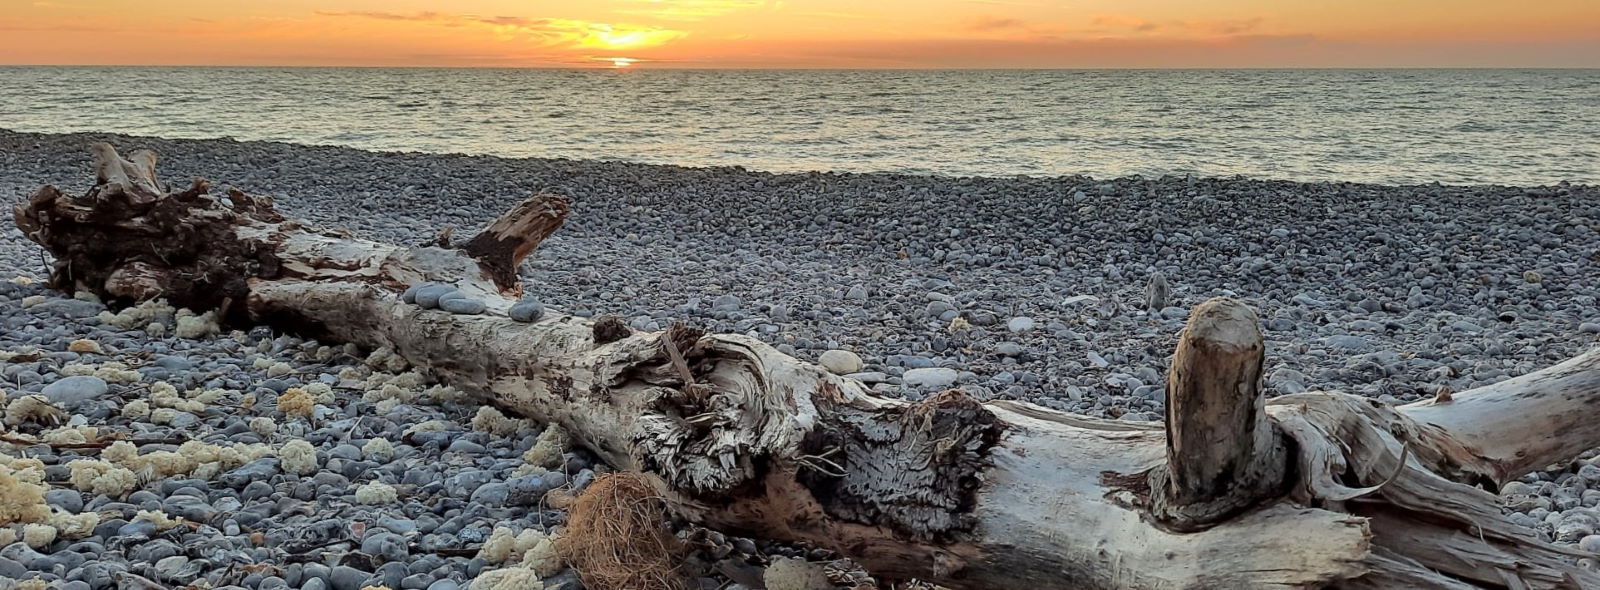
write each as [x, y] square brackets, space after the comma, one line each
[805, 33]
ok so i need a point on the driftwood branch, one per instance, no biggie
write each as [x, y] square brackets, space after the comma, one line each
[1302, 491]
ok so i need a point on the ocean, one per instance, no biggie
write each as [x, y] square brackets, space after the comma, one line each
[1518, 127]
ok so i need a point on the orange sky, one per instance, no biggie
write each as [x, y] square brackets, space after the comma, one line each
[805, 33]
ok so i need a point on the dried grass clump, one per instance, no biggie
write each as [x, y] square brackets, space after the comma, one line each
[616, 538]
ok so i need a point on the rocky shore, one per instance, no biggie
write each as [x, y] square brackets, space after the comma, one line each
[297, 464]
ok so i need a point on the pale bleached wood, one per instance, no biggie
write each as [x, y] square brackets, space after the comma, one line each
[966, 494]
[1525, 423]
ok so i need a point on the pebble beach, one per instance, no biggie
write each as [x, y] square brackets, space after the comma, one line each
[260, 460]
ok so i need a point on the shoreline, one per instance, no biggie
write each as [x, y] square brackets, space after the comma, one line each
[91, 136]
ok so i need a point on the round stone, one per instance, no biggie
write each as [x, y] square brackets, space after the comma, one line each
[840, 362]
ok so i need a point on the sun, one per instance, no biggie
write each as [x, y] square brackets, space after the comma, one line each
[622, 62]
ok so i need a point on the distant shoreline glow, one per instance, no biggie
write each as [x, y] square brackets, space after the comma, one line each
[807, 34]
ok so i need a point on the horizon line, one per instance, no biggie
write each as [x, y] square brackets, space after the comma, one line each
[795, 68]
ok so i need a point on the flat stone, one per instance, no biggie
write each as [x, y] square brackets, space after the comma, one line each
[69, 392]
[931, 378]
[463, 305]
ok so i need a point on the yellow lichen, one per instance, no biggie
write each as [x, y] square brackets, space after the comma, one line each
[296, 402]
[20, 500]
[85, 345]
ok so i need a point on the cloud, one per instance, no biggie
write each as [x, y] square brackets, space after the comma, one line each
[545, 32]
[994, 23]
[57, 28]
[1122, 22]
[1004, 3]
[1228, 27]
[687, 10]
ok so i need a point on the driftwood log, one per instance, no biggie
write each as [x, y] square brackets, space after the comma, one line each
[1234, 491]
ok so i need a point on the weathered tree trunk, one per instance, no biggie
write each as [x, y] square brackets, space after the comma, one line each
[1307, 490]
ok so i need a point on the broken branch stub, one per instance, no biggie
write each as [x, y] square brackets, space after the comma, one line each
[503, 245]
[1223, 455]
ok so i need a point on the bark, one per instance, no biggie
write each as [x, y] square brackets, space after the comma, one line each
[1309, 490]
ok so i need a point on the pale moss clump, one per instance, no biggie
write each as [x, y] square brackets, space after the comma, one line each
[510, 578]
[429, 426]
[74, 526]
[279, 369]
[547, 450]
[385, 359]
[388, 406]
[121, 453]
[197, 326]
[263, 426]
[388, 391]
[70, 435]
[195, 458]
[32, 408]
[298, 457]
[261, 363]
[33, 300]
[156, 517]
[379, 449]
[506, 545]
[210, 396]
[98, 476]
[111, 372]
[376, 493]
[444, 394]
[136, 410]
[138, 316]
[296, 402]
[321, 392]
[502, 542]
[164, 395]
[493, 422]
[38, 536]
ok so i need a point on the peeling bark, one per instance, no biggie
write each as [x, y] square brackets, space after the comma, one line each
[1316, 490]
